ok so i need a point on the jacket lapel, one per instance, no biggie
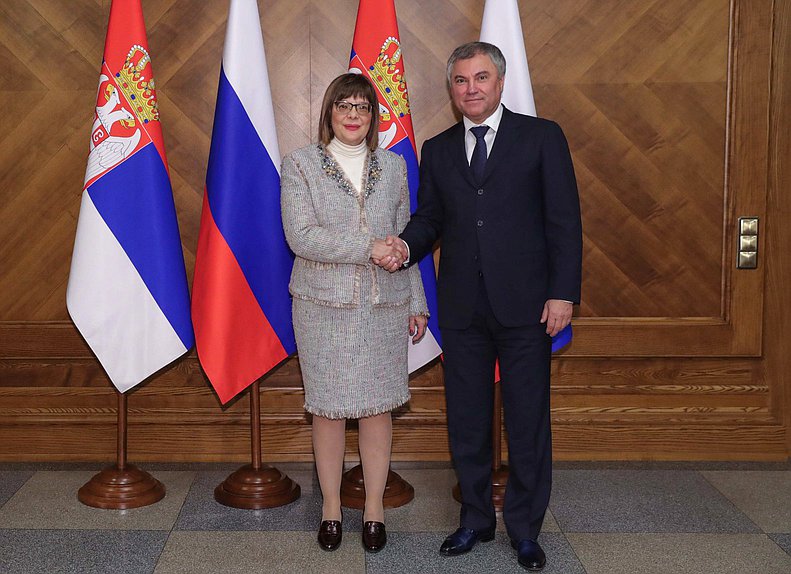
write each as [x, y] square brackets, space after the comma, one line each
[506, 136]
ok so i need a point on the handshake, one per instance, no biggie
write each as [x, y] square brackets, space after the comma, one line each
[389, 253]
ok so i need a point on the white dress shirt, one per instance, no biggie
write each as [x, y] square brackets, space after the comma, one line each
[492, 122]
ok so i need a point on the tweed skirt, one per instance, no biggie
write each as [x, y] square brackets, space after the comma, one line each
[353, 360]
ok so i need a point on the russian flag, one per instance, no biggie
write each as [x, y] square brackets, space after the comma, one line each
[241, 308]
[376, 52]
[502, 27]
[127, 292]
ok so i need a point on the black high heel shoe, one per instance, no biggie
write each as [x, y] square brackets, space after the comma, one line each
[330, 535]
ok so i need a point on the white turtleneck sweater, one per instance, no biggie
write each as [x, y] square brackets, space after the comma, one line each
[351, 159]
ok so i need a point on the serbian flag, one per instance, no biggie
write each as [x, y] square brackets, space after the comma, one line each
[502, 27]
[127, 292]
[376, 52]
[241, 308]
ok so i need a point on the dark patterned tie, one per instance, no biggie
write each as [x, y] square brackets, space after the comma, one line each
[478, 161]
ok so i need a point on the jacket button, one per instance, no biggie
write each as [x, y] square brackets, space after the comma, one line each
[480, 223]
[480, 192]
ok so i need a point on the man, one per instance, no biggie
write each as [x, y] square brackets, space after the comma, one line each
[498, 189]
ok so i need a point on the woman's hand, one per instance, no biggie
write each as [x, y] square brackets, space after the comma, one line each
[417, 327]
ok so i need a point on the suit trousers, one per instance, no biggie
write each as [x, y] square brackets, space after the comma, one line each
[524, 354]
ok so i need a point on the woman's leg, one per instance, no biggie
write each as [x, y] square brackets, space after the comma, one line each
[376, 435]
[329, 443]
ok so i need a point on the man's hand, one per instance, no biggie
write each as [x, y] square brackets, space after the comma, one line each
[389, 253]
[557, 315]
[417, 327]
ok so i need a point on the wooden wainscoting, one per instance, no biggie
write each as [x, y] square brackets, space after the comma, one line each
[677, 115]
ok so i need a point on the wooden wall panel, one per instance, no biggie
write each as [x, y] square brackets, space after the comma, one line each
[675, 111]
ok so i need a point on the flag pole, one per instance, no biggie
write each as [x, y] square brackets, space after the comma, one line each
[499, 470]
[122, 486]
[255, 486]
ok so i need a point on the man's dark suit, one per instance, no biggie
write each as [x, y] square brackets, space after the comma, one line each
[509, 243]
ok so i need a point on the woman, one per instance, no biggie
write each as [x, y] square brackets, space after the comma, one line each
[340, 199]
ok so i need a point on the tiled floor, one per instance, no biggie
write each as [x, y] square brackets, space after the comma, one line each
[630, 518]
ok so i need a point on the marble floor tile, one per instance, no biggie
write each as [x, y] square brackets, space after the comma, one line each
[432, 509]
[418, 553]
[621, 518]
[11, 481]
[48, 500]
[247, 552]
[783, 541]
[550, 524]
[670, 465]
[642, 501]
[80, 551]
[679, 553]
[764, 496]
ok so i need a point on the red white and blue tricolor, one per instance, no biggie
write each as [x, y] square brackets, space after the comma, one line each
[241, 308]
[376, 53]
[127, 292]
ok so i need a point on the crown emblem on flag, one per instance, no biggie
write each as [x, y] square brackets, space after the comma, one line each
[139, 91]
[387, 76]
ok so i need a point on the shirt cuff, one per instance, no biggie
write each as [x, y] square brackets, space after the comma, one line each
[408, 253]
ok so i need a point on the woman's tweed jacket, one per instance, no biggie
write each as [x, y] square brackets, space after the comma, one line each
[331, 229]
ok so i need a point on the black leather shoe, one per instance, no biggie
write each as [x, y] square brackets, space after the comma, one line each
[374, 536]
[531, 556]
[463, 540]
[330, 535]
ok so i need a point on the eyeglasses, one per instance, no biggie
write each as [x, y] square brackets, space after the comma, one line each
[345, 107]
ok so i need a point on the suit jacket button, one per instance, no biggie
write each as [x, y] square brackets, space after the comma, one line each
[480, 192]
[480, 223]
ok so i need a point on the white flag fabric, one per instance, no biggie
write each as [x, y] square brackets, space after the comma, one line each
[502, 27]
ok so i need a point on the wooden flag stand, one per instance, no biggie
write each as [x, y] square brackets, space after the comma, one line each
[398, 491]
[255, 486]
[499, 470]
[122, 486]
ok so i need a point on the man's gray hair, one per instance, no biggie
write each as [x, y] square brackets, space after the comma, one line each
[471, 49]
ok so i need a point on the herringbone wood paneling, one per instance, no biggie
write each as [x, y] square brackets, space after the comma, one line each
[665, 106]
[643, 105]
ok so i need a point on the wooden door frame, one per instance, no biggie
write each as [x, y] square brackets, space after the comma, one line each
[777, 315]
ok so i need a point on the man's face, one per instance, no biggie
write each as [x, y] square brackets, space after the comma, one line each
[475, 87]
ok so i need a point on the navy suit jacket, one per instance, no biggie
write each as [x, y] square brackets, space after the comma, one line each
[519, 227]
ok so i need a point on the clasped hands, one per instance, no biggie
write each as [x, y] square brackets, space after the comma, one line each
[389, 253]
